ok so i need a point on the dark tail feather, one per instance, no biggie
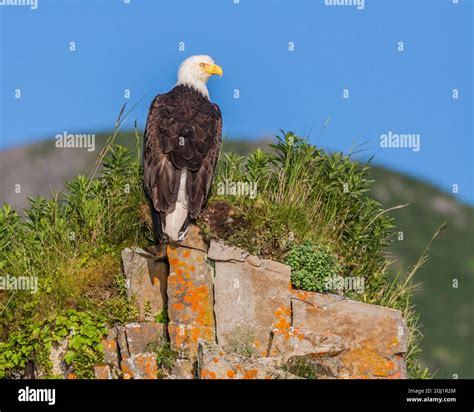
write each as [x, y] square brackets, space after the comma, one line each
[160, 237]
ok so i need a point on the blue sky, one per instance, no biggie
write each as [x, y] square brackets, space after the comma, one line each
[136, 46]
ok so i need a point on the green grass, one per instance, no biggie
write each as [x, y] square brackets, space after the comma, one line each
[306, 196]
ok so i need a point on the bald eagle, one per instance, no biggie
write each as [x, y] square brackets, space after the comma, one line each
[181, 145]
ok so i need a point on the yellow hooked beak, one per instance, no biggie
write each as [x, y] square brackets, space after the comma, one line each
[213, 69]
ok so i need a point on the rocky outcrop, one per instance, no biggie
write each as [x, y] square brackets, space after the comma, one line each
[146, 279]
[235, 316]
[342, 338]
[190, 300]
[214, 363]
[130, 351]
[251, 298]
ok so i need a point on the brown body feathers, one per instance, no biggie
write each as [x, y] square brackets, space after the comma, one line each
[183, 132]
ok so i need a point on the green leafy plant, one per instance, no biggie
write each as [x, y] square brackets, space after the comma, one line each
[34, 340]
[162, 317]
[311, 266]
[165, 357]
[85, 332]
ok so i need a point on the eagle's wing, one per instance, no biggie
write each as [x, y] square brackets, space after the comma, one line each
[177, 136]
[160, 177]
[203, 165]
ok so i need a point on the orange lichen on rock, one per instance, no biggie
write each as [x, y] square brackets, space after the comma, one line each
[178, 306]
[127, 373]
[250, 374]
[368, 362]
[177, 334]
[207, 374]
[395, 342]
[102, 372]
[301, 294]
[147, 366]
[190, 299]
[283, 311]
[235, 366]
[140, 366]
[173, 261]
[282, 325]
[109, 345]
[198, 299]
[194, 334]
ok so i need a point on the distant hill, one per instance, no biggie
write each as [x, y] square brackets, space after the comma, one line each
[41, 167]
[446, 312]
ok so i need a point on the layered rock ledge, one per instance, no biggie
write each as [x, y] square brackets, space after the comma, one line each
[231, 315]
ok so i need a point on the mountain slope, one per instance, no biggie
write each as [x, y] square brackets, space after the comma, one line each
[445, 311]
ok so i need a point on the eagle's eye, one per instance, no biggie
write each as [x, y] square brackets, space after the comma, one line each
[202, 64]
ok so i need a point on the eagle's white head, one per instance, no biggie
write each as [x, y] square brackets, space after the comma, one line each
[195, 72]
